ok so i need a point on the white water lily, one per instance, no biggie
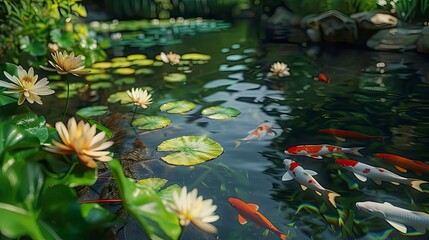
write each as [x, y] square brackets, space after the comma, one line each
[67, 63]
[139, 97]
[279, 69]
[171, 58]
[27, 86]
[191, 208]
[81, 139]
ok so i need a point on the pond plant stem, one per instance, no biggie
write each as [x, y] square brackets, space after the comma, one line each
[68, 96]
[134, 114]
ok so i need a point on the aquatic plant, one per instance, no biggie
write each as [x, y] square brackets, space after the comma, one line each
[305, 7]
[412, 11]
[170, 58]
[279, 69]
[138, 97]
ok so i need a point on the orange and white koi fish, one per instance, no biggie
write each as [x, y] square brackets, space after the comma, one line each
[306, 179]
[342, 135]
[317, 151]
[250, 211]
[404, 164]
[364, 171]
[324, 78]
[258, 133]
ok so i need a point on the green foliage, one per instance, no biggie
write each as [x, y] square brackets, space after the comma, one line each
[413, 11]
[351, 6]
[304, 7]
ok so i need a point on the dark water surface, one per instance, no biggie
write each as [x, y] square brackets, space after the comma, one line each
[359, 98]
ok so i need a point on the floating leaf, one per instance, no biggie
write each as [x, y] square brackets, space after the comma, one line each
[126, 80]
[151, 122]
[63, 94]
[92, 111]
[102, 65]
[154, 183]
[196, 56]
[220, 112]
[101, 85]
[145, 71]
[143, 62]
[98, 77]
[119, 59]
[135, 57]
[175, 77]
[125, 71]
[95, 70]
[192, 150]
[177, 107]
[121, 64]
[121, 97]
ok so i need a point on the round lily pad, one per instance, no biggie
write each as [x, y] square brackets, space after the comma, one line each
[119, 59]
[154, 183]
[121, 64]
[196, 56]
[101, 85]
[102, 65]
[190, 150]
[125, 71]
[135, 57]
[151, 122]
[220, 112]
[97, 77]
[177, 107]
[125, 80]
[143, 62]
[121, 97]
[145, 71]
[63, 94]
[175, 77]
[92, 111]
[157, 64]
[95, 70]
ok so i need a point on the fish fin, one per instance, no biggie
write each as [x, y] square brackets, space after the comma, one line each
[360, 177]
[378, 182]
[401, 169]
[315, 156]
[303, 187]
[237, 143]
[395, 183]
[251, 131]
[241, 220]
[271, 133]
[340, 139]
[387, 203]
[318, 193]
[287, 177]
[311, 172]
[257, 226]
[282, 236]
[356, 152]
[415, 183]
[253, 206]
[398, 226]
[331, 197]
[421, 229]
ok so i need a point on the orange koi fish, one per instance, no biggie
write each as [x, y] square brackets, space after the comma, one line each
[258, 133]
[403, 164]
[317, 151]
[342, 135]
[324, 78]
[250, 211]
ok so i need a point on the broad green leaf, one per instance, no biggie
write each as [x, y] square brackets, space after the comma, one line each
[220, 112]
[167, 193]
[145, 71]
[119, 59]
[177, 107]
[64, 39]
[154, 183]
[151, 122]
[92, 111]
[101, 85]
[124, 71]
[97, 216]
[146, 206]
[17, 222]
[196, 56]
[10, 68]
[135, 57]
[125, 80]
[102, 65]
[121, 64]
[98, 77]
[175, 77]
[143, 62]
[121, 97]
[190, 150]
[79, 9]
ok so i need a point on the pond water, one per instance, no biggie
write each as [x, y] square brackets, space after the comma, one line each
[390, 100]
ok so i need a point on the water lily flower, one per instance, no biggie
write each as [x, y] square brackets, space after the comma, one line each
[139, 97]
[279, 69]
[65, 63]
[27, 86]
[81, 139]
[170, 58]
[192, 209]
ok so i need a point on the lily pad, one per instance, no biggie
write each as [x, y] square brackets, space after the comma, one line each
[175, 77]
[177, 107]
[121, 64]
[135, 57]
[92, 111]
[95, 70]
[151, 122]
[119, 59]
[98, 77]
[101, 85]
[125, 80]
[145, 71]
[220, 112]
[143, 62]
[154, 183]
[125, 71]
[102, 65]
[121, 97]
[63, 94]
[190, 150]
[157, 64]
[196, 56]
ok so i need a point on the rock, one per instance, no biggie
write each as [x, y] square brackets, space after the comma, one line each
[334, 27]
[313, 35]
[372, 20]
[282, 16]
[423, 42]
[400, 39]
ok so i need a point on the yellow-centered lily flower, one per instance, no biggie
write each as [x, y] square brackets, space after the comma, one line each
[279, 69]
[171, 58]
[139, 97]
[65, 63]
[27, 86]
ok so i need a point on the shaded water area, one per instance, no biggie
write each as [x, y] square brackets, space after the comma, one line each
[390, 100]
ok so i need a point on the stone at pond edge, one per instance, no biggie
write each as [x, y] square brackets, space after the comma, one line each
[423, 42]
[400, 39]
[374, 21]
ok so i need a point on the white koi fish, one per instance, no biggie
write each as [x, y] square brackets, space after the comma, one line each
[364, 171]
[258, 133]
[397, 217]
[305, 178]
[317, 151]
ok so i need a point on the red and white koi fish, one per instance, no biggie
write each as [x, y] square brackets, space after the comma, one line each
[404, 164]
[342, 135]
[258, 133]
[306, 179]
[364, 171]
[317, 151]
[250, 211]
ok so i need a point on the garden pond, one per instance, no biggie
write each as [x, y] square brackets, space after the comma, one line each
[224, 64]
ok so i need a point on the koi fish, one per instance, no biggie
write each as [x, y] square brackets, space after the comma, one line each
[364, 171]
[258, 133]
[317, 151]
[342, 135]
[404, 164]
[397, 217]
[250, 211]
[306, 179]
[324, 78]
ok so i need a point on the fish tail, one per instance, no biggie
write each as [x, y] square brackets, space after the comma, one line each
[282, 236]
[356, 152]
[331, 197]
[415, 183]
[237, 143]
